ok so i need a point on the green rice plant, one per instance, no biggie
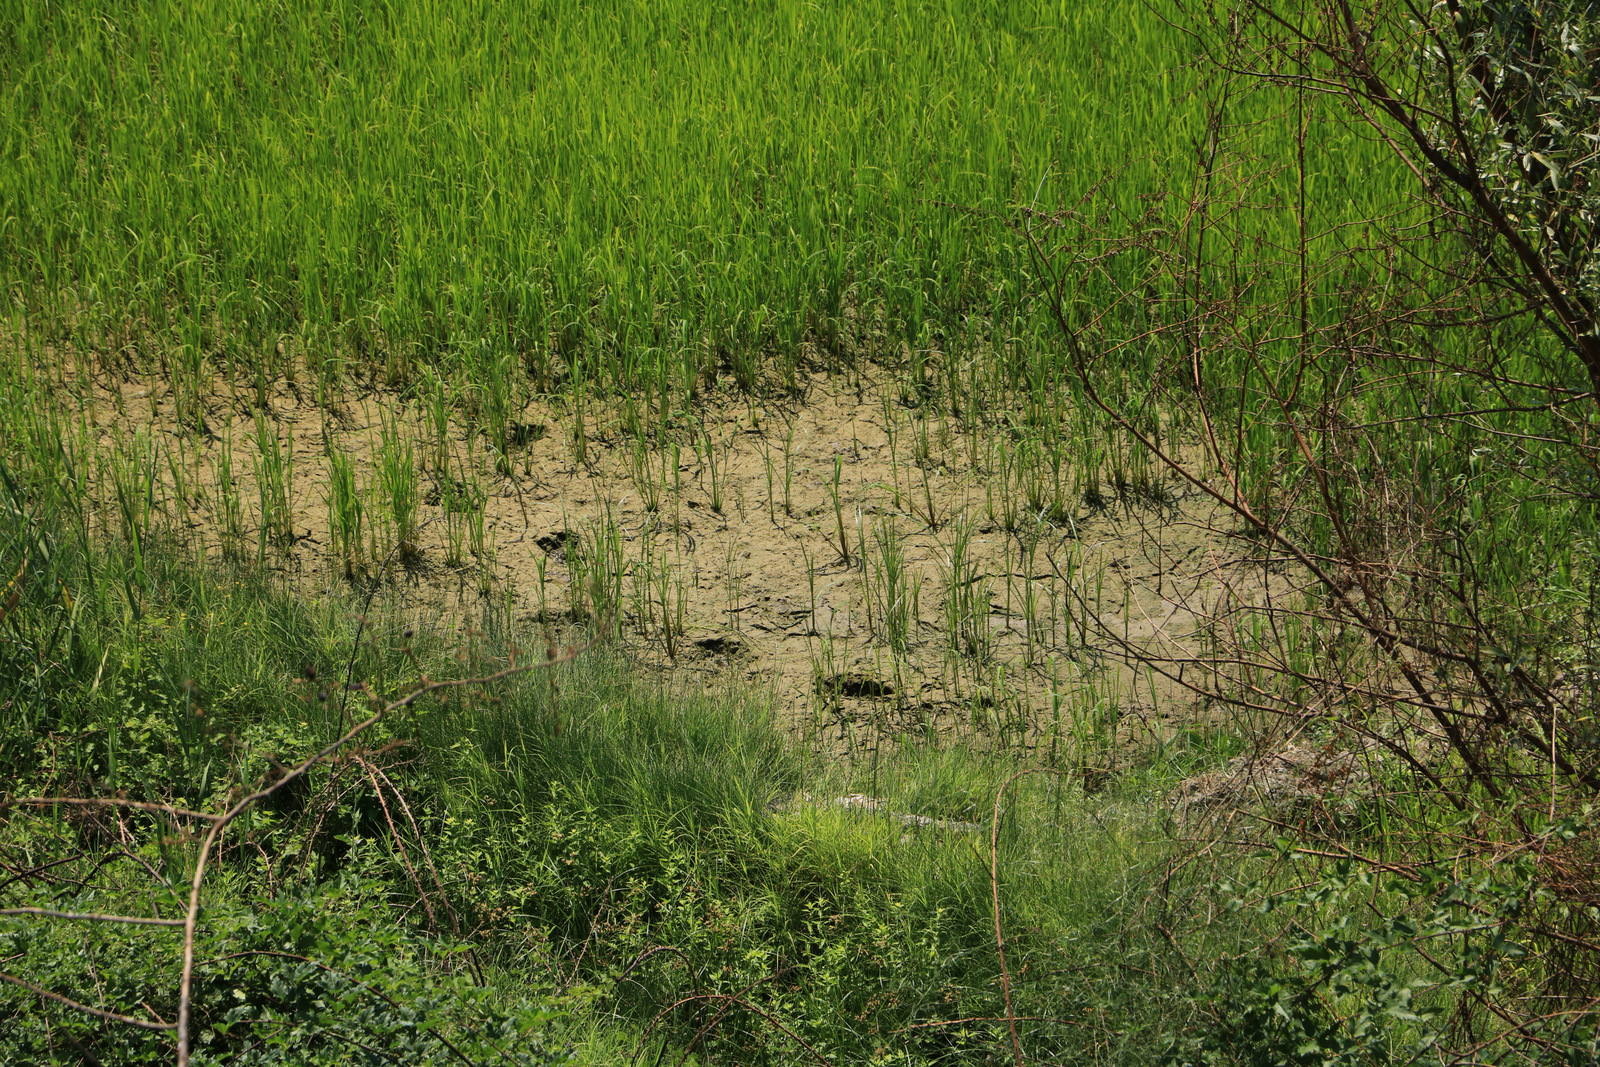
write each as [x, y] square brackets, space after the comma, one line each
[133, 477]
[767, 466]
[734, 578]
[346, 514]
[455, 526]
[189, 386]
[496, 377]
[788, 471]
[326, 361]
[891, 429]
[183, 493]
[436, 407]
[893, 592]
[966, 603]
[599, 575]
[228, 512]
[580, 434]
[838, 509]
[475, 503]
[397, 481]
[1034, 596]
[1001, 493]
[642, 471]
[1095, 715]
[662, 603]
[540, 562]
[925, 465]
[484, 551]
[273, 465]
[271, 358]
[715, 466]
[1041, 466]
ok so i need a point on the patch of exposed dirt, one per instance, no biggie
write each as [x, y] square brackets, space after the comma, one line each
[725, 560]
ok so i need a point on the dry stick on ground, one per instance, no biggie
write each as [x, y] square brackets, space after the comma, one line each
[394, 834]
[51, 913]
[721, 1013]
[422, 843]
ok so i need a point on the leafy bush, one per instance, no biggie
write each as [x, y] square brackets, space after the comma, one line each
[318, 975]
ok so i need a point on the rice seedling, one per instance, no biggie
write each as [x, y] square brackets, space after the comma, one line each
[966, 603]
[133, 477]
[484, 551]
[767, 468]
[480, 542]
[228, 510]
[599, 573]
[273, 465]
[455, 527]
[1000, 495]
[894, 592]
[539, 564]
[579, 432]
[397, 482]
[496, 377]
[436, 406]
[838, 510]
[714, 468]
[346, 514]
[925, 464]
[662, 600]
[647, 479]
[788, 471]
[734, 578]
[182, 492]
[189, 386]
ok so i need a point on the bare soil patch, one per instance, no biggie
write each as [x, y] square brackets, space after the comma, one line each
[751, 546]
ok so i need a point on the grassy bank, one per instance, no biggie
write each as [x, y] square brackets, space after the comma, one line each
[574, 855]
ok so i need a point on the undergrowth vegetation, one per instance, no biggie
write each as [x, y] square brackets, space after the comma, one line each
[570, 863]
[1197, 602]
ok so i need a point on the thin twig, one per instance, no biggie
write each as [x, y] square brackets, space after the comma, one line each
[90, 916]
[98, 1013]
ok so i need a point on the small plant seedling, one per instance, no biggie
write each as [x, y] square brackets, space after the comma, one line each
[397, 477]
[346, 513]
[838, 509]
[274, 471]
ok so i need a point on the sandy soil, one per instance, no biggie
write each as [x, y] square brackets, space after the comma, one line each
[768, 597]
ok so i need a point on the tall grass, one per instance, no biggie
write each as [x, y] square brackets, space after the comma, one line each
[663, 189]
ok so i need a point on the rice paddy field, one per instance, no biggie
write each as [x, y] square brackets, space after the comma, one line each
[709, 358]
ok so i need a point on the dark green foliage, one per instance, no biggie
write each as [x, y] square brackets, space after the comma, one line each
[323, 975]
[1376, 969]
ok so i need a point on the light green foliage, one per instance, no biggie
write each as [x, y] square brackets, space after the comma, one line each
[656, 187]
[273, 463]
[319, 975]
[346, 513]
[397, 478]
